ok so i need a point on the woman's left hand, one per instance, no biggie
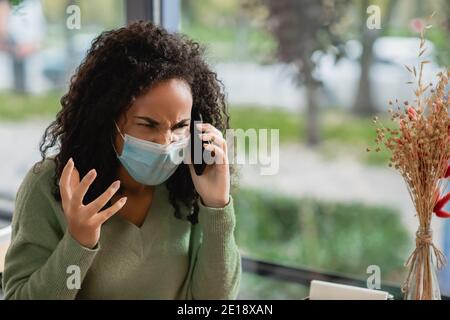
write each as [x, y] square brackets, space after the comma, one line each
[213, 185]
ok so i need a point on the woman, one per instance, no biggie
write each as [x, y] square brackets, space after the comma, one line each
[110, 216]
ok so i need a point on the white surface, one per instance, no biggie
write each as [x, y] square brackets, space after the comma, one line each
[321, 290]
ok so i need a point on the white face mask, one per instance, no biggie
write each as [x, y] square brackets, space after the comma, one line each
[151, 163]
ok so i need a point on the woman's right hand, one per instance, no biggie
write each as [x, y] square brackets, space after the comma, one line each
[84, 221]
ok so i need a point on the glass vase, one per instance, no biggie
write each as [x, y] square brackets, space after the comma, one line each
[422, 282]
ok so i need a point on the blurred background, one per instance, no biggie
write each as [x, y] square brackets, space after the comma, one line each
[312, 69]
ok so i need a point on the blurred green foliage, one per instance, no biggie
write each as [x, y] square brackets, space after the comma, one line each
[264, 288]
[230, 32]
[105, 14]
[337, 237]
[340, 130]
[15, 2]
[21, 107]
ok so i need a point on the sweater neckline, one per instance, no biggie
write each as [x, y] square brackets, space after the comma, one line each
[134, 238]
[151, 214]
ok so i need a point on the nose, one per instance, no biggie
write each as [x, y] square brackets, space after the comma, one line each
[164, 138]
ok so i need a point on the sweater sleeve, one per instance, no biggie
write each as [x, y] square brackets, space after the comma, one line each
[39, 262]
[217, 265]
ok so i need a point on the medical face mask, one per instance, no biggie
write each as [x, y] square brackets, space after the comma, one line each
[148, 162]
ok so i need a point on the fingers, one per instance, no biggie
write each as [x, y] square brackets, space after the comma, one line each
[218, 144]
[214, 138]
[104, 215]
[219, 153]
[74, 178]
[83, 187]
[209, 128]
[64, 181]
[96, 205]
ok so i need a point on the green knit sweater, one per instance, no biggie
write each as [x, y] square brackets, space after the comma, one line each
[165, 258]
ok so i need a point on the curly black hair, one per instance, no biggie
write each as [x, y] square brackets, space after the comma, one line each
[121, 65]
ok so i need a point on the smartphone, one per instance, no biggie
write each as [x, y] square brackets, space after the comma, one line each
[197, 148]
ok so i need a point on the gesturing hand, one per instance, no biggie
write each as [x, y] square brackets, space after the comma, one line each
[84, 221]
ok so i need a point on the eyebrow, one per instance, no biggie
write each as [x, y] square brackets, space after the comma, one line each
[155, 123]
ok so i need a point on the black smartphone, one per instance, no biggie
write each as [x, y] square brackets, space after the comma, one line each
[197, 148]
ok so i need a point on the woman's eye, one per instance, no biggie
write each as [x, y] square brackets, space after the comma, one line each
[181, 126]
[146, 125]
